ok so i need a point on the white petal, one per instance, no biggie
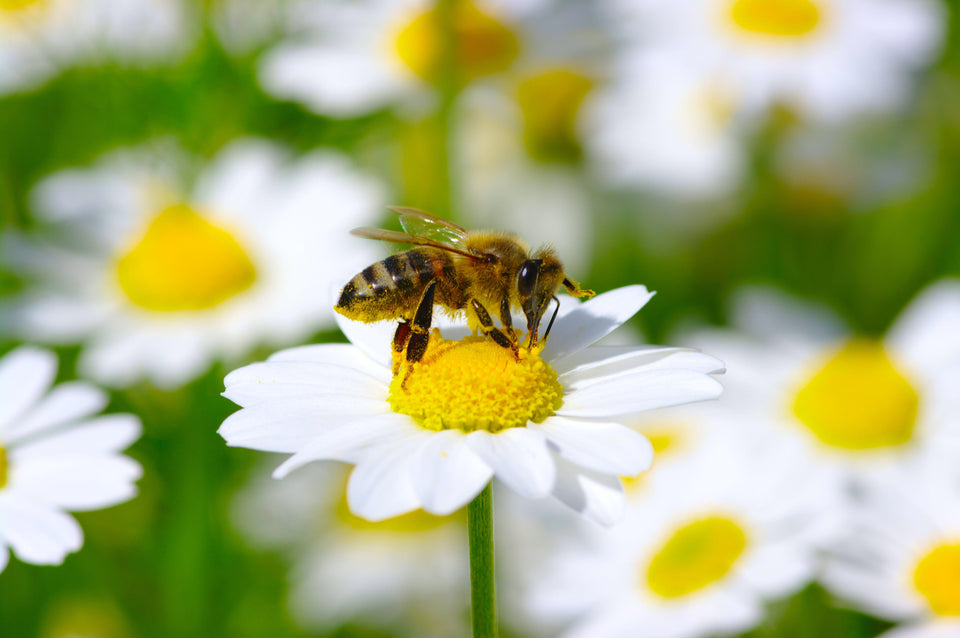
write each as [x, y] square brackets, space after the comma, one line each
[288, 426]
[594, 320]
[926, 334]
[630, 360]
[381, 486]
[608, 448]
[25, 374]
[105, 434]
[341, 354]
[66, 402]
[598, 497]
[4, 555]
[38, 534]
[446, 474]
[633, 393]
[75, 482]
[261, 382]
[940, 628]
[373, 339]
[349, 443]
[518, 457]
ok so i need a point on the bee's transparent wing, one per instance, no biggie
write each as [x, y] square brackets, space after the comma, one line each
[421, 224]
[382, 234]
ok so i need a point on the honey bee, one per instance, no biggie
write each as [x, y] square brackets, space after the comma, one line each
[460, 270]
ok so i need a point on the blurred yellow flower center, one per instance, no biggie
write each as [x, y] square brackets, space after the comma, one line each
[859, 400]
[3, 467]
[663, 442]
[184, 262]
[18, 5]
[937, 578]
[475, 384]
[483, 46]
[411, 523]
[550, 102]
[697, 555]
[782, 18]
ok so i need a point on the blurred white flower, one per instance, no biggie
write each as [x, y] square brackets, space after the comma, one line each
[664, 126]
[708, 540]
[344, 569]
[542, 426]
[56, 456]
[825, 59]
[900, 558]
[161, 278]
[854, 404]
[39, 37]
[354, 58]
[501, 182]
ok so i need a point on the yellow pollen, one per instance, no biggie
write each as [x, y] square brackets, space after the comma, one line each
[476, 384]
[184, 262]
[779, 18]
[937, 578]
[859, 400]
[3, 467]
[550, 102]
[484, 45]
[696, 555]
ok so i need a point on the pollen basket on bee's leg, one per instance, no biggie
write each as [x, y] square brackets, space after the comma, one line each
[475, 384]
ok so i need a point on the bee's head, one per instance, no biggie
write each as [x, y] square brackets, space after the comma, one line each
[537, 282]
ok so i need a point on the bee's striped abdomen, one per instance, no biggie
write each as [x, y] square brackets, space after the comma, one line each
[390, 288]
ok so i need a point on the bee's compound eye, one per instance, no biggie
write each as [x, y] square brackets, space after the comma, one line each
[527, 277]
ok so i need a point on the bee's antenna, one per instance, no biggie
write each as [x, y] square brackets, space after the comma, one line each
[552, 319]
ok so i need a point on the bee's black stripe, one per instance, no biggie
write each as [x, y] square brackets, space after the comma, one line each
[395, 267]
[370, 276]
[420, 265]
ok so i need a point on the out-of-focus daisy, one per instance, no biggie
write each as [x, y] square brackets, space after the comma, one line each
[544, 422]
[822, 58]
[356, 57]
[406, 570]
[702, 547]
[161, 278]
[56, 456]
[857, 404]
[666, 127]
[901, 558]
[516, 162]
[38, 37]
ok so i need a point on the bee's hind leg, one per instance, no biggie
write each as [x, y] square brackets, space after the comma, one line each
[400, 338]
[419, 330]
[486, 324]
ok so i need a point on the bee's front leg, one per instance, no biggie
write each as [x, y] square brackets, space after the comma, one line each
[486, 324]
[420, 327]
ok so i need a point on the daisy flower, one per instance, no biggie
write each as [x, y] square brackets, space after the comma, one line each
[701, 548]
[160, 279]
[664, 126]
[406, 570]
[354, 58]
[546, 422]
[39, 37]
[825, 59]
[856, 404]
[56, 455]
[901, 558]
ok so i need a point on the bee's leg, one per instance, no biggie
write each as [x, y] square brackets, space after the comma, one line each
[420, 328]
[506, 320]
[400, 338]
[486, 324]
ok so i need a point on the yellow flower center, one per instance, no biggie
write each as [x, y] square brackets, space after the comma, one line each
[779, 18]
[475, 384]
[18, 5]
[859, 400]
[184, 262]
[484, 45]
[550, 102]
[3, 467]
[937, 578]
[696, 555]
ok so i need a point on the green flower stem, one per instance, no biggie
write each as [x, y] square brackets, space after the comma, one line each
[483, 597]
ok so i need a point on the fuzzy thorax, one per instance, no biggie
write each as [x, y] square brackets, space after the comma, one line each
[476, 384]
